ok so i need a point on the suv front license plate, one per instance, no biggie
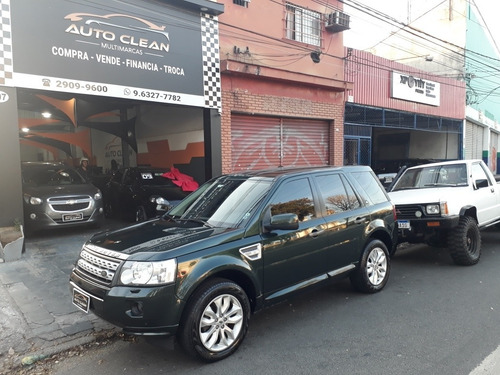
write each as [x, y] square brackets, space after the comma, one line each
[81, 300]
[72, 217]
[403, 224]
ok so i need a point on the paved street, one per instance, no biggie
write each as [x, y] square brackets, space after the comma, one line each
[433, 318]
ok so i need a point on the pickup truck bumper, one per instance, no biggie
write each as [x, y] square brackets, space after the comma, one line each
[424, 229]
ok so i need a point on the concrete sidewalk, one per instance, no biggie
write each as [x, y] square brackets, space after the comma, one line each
[36, 313]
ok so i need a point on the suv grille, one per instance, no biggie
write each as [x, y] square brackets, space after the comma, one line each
[69, 204]
[97, 267]
[408, 211]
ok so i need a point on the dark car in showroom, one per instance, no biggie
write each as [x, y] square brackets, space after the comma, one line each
[237, 244]
[56, 195]
[136, 193]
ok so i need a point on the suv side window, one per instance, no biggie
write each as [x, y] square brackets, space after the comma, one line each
[370, 186]
[478, 173]
[336, 196]
[294, 197]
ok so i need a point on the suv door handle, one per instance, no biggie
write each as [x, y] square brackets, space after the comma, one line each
[359, 220]
[315, 232]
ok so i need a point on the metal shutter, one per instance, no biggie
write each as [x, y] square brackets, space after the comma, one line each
[474, 141]
[305, 142]
[255, 142]
[268, 142]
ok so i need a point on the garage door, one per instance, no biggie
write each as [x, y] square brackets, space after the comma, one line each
[269, 142]
[474, 141]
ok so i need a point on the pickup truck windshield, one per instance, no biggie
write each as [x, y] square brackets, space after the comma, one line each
[225, 202]
[433, 176]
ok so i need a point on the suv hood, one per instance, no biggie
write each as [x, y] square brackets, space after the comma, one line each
[155, 236]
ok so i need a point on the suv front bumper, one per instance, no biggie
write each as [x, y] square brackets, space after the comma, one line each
[137, 310]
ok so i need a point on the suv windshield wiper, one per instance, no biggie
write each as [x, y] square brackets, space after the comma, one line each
[191, 219]
[194, 220]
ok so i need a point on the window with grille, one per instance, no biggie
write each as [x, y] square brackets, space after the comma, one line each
[303, 25]
[243, 3]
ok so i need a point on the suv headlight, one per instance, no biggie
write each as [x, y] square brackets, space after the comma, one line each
[97, 196]
[32, 200]
[148, 273]
[158, 200]
[432, 209]
[437, 209]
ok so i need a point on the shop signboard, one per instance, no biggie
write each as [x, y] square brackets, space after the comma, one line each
[121, 49]
[408, 87]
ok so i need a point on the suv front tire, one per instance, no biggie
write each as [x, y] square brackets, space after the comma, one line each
[215, 320]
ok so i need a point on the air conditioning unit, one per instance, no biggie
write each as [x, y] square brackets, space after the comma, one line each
[337, 21]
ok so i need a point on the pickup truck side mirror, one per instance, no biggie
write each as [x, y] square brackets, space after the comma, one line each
[481, 183]
[283, 222]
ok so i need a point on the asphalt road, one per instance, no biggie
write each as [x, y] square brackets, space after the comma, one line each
[432, 318]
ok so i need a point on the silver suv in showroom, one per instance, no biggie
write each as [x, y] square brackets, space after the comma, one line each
[56, 195]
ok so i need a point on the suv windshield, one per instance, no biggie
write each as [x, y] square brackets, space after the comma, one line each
[225, 202]
[432, 176]
[51, 176]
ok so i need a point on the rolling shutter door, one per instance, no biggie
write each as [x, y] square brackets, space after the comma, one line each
[305, 142]
[254, 142]
[269, 142]
[474, 141]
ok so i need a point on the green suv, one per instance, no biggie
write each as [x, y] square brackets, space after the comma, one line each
[237, 244]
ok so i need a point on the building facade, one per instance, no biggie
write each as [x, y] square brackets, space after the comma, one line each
[395, 113]
[449, 39]
[282, 72]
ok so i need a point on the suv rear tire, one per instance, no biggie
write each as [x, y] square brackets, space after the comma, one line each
[215, 321]
[374, 268]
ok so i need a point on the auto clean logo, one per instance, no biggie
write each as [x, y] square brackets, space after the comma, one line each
[120, 32]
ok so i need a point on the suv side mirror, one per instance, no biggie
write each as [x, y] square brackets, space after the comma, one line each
[283, 222]
[481, 183]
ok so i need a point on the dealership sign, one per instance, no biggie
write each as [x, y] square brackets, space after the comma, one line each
[99, 48]
[408, 87]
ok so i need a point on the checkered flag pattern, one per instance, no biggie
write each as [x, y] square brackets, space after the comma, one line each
[211, 61]
[6, 67]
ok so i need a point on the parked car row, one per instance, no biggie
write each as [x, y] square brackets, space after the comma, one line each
[57, 195]
[244, 241]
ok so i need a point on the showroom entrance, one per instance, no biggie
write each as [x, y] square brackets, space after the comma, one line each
[118, 82]
[110, 133]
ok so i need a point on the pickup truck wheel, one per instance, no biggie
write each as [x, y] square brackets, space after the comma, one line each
[374, 268]
[215, 321]
[465, 242]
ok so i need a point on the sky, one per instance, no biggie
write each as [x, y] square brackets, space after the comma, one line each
[367, 31]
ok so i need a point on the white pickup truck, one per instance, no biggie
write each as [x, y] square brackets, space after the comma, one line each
[446, 204]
